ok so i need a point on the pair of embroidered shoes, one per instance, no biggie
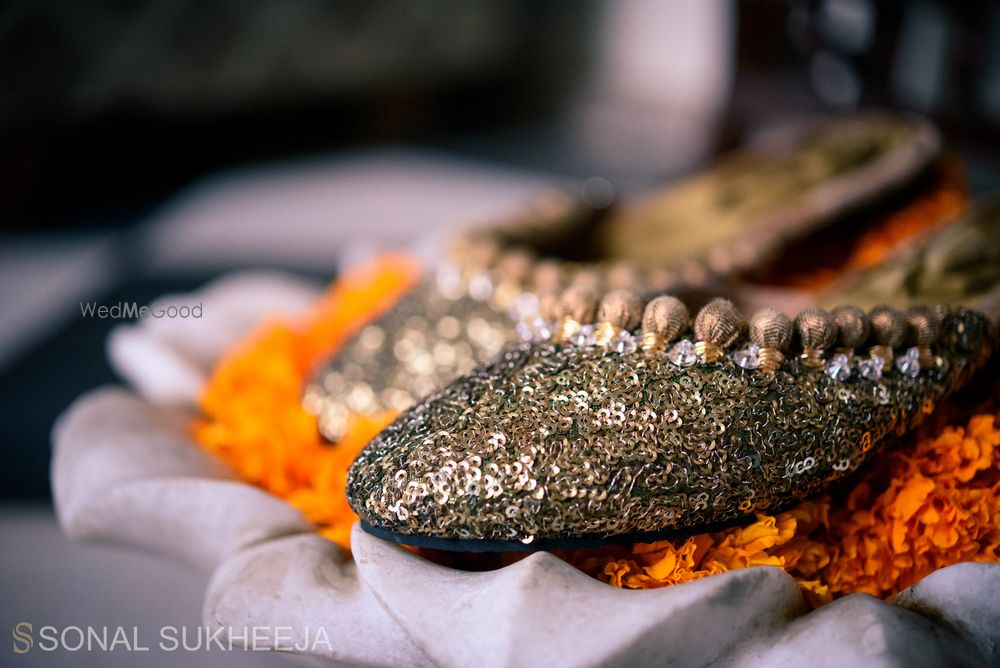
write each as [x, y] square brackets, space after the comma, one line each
[622, 418]
[502, 283]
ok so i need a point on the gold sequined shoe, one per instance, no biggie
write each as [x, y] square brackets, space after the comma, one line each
[501, 282]
[659, 425]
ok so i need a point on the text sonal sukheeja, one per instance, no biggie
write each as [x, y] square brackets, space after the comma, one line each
[30, 637]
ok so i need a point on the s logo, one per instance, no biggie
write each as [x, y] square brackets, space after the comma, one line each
[22, 638]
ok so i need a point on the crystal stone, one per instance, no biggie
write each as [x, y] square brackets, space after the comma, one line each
[525, 305]
[682, 354]
[747, 358]
[542, 328]
[839, 367]
[449, 281]
[584, 338]
[481, 287]
[871, 368]
[909, 363]
[624, 343]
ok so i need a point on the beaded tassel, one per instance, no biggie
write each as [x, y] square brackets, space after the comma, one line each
[817, 332]
[924, 330]
[888, 331]
[771, 331]
[852, 328]
[577, 305]
[620, 311]
[718, 325]
[663, 320]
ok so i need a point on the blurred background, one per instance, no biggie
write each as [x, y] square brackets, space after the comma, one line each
[149, 146]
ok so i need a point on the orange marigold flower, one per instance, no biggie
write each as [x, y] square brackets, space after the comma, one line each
[253, 415]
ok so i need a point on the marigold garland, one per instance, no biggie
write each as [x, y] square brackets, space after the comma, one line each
[932, 502]
[253, 415]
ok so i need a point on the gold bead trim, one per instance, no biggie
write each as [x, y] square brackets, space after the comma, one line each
[653, 343]
[843, 350]
[769, 331]
[567, 328]
[708, 352]
[605, 333]
[885, 352]
[812, 358]
[770, 359]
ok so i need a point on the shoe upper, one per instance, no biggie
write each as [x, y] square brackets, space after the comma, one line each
[557, 440]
